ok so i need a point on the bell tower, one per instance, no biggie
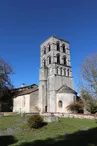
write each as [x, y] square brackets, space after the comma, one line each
[55, 71]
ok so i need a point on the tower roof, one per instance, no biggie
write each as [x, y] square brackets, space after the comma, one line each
[55, 38]
[60, 39]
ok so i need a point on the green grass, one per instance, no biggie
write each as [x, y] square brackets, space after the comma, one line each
[53, 133]
[11, 121]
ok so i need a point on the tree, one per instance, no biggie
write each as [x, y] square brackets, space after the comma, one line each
[5, 82]
[89, 75]
[90, 104]
[89, 82]
[5, 72]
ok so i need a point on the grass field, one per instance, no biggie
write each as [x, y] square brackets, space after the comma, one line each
[66, 131]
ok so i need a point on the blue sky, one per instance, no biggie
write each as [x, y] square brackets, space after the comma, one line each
[24, 24]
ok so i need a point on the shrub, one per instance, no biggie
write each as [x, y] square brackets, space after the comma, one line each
[90, 103]
[76, 107]
[91, 107]
[35, 121]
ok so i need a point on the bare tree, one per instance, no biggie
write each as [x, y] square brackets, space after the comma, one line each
[5, 72]
[5, 82]
[88, 82]
[89, 74]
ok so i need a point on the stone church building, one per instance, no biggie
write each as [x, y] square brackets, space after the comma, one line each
[56, 89]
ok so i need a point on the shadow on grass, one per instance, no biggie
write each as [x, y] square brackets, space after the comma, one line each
[43, 124]
[80, 138]
[7, 140]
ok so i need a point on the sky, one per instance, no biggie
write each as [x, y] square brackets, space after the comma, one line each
[25, 24]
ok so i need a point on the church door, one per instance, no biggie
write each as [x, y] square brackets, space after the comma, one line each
[46, 109]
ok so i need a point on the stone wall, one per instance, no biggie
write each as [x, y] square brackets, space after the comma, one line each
[66, 115]
[34, 102]
[21, 104]
[54, 73]
[66, 98]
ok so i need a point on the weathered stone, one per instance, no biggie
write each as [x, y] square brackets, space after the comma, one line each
[56, 83]
[50, 118]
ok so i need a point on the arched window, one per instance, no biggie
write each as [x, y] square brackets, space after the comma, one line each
[60, 104]
[63, 47]
[44, 62]
[68, 72]
[49, 48]
[57, 70]
[44, 50]
[61, 71]
[65, 72]
[49, 60]
[58, 46]
[58, 58]
[64, 60]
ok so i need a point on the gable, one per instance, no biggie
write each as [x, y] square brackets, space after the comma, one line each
[66, 89]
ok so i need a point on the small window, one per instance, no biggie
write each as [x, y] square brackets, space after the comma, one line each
[60, 104]
[49, 59]
[49, 48]
[58, 58]
[58, 46]
[63, 46]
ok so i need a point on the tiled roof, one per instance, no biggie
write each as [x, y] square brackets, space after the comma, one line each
[25, 90]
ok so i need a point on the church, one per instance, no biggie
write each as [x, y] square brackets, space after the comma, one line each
[56, 90]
